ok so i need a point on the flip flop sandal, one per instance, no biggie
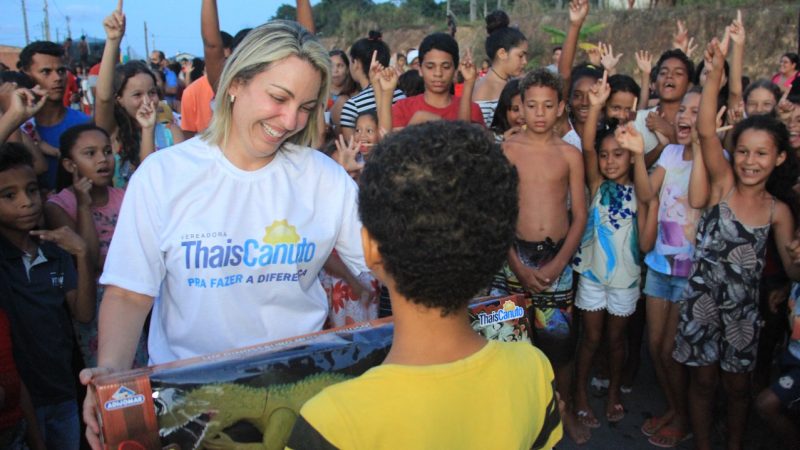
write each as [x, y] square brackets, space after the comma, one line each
[587, 419]
[617, 415]
[651, 426]
[669, 437]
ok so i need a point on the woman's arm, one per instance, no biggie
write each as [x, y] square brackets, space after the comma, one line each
[305, 16]
[114, 26]
[737, 35]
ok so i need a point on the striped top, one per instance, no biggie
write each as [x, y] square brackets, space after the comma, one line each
[363, 101]
[487, 109]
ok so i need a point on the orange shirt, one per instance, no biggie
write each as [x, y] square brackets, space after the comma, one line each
[196, 105]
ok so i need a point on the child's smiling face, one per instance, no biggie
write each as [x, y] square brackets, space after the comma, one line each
[366, 133]
[755, 157]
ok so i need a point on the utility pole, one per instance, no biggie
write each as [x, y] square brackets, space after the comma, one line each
[146, 47]
[69, 31]
[46, 22]
[25, 22]
[473, 10]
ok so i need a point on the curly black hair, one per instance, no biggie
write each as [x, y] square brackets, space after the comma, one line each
[440, 199]
[678, 54]
[13, 155]
[781, 181]
[543, 78]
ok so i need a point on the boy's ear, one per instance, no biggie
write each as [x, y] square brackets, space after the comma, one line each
[561, 105]
[372, 255]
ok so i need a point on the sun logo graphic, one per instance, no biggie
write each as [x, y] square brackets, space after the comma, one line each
[509, 311]
[123, 398]
[281, 232]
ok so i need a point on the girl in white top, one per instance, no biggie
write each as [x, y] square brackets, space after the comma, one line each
[507, 47]
[230, 229]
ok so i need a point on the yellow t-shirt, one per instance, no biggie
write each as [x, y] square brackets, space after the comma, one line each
[501, 397]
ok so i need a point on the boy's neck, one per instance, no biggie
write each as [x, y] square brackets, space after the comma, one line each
[437, 100]
[20, 239]
[540, 138]
[422, 337]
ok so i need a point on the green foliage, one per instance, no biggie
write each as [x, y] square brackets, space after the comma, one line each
[557, 36]
[285, 12]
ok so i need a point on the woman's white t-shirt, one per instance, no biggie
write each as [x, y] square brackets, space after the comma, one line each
[232, 256]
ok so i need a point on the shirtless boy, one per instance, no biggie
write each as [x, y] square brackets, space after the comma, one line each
[550, 172]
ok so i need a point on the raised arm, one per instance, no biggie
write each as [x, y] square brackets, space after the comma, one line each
[114, 26]
[384, 82]
[699, 187]
[305, 16]
[737, 36]
[644, 61]
[598, 95]
[213, 49]
[629, 138]
[783, 226]
[578, 10]
[719, 171]
[470, 74]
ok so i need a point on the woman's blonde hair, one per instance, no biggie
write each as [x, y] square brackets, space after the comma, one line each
[271, 42]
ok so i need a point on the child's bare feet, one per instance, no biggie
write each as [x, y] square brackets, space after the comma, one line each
[575, 429]
[614, 409]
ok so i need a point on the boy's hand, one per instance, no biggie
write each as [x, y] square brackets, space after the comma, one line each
[146, 115]
[644, 61]
[548, 274]
[682, 41]
[658, 124]
[593, 53]
[65, 238]
[578, 10]
[468, 69]
[114, 24]
[22, 102]
[512, 131]
[629, 138]
[607, 57]
[599, 92]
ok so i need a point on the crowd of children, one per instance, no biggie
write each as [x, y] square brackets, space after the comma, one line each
[608, 204]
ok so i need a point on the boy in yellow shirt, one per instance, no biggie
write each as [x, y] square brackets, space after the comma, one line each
[438, 203]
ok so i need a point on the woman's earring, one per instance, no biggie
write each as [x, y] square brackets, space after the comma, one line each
[233, 98]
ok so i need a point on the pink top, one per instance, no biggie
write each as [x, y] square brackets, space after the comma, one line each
[786, 84]
[104, 217]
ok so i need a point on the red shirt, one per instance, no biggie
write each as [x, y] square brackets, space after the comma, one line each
[404, 110]
[11, 412]
[70, 87]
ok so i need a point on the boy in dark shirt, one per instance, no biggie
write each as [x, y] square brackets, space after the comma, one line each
[39, 277]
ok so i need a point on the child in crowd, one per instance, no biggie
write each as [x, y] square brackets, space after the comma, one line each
[127, 105]
[458, 201]
[761, 97]
[352, 299]
[89, 205]
[42, 291]
[538, 265]
[783, 396]
[668, 268]
[508, 118]
[673, 73]
[439, 60]
[622, 101]
[608, 257]
[719, 317]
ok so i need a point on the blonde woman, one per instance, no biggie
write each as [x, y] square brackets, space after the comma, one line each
[230, 229]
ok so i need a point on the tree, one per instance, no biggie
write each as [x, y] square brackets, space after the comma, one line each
[286, 12]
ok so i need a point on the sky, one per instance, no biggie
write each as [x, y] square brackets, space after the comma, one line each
[174, 24]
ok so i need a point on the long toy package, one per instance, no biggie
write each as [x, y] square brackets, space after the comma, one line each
[252, 395]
